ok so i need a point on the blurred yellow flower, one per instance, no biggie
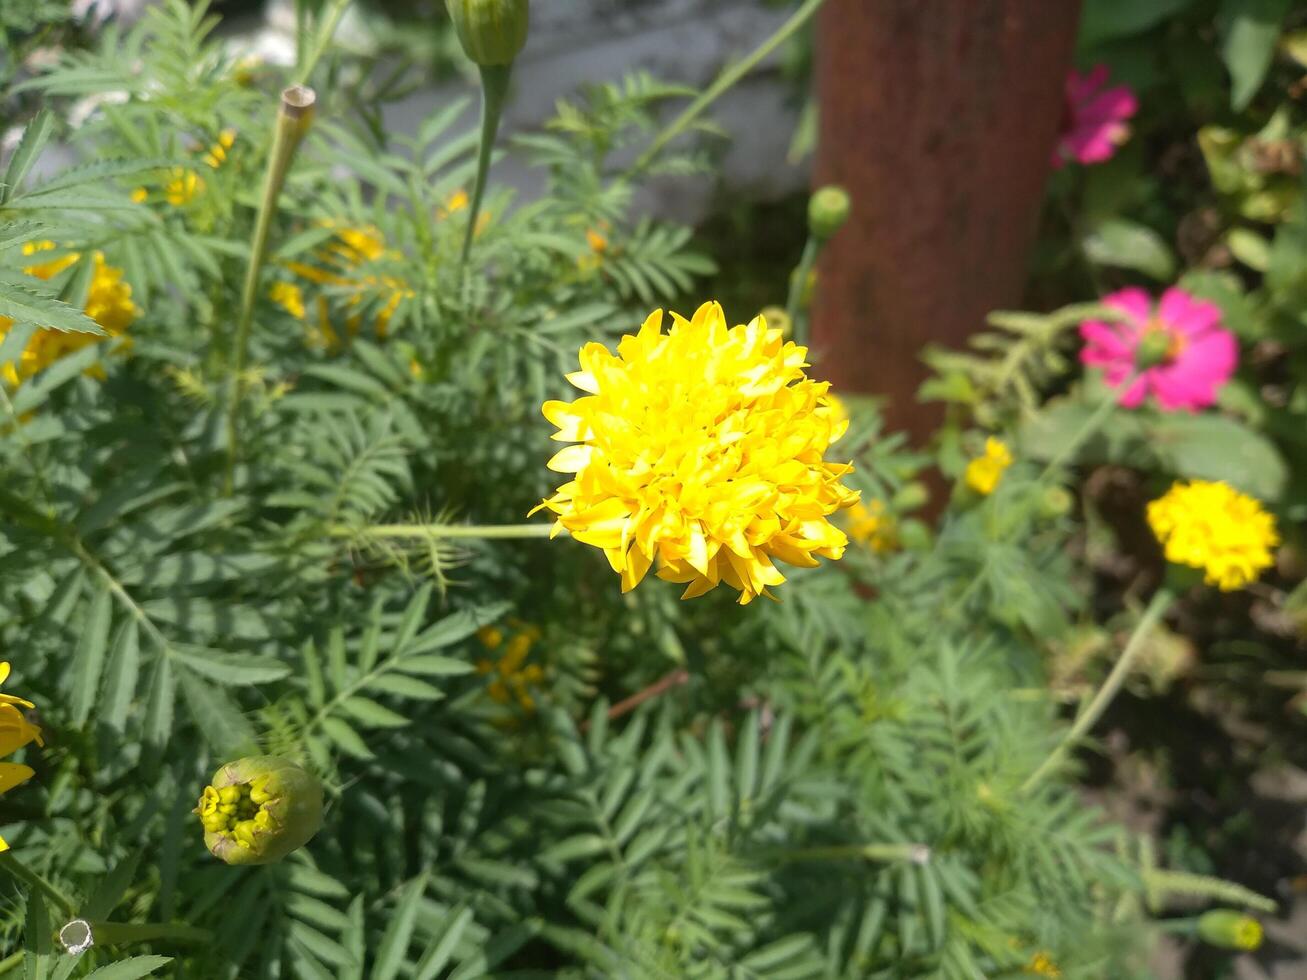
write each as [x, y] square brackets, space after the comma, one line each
[15, 732]
[140, 195]
[701, 449]
[984, 472]
[182, 187]
[289, 297]
[108, 303]
[338, 264]
[513, 677]
[1042, 965]
[217, 154]
[870, 526]
[1212, 527]
[458, 201]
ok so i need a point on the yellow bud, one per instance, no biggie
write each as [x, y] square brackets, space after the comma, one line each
[1229, 929]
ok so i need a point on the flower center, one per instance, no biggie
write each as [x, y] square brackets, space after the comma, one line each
[237, 811]
[1158, 345]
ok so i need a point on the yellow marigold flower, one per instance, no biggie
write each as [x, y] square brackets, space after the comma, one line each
[458, 201]
[217, 154]
[984, 472]
[108, 303]
[140, 195]
[15, 732]
[701, 448]
[513, 676]
[869, 526]
[289, 297]
[597, 241]
[338, 263]
[183, 186]
[1211, 526]
[1042, 965]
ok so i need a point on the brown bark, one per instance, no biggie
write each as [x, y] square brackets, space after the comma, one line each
[940, 118]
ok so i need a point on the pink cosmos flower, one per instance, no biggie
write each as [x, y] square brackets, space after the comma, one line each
[1177, 352]
[1094, 118]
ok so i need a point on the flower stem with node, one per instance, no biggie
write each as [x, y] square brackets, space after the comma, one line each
[799, 282]
[79, 935]
[1090, 714]
[494, 93]
[426, 531]
[293, 121]
[723, 84]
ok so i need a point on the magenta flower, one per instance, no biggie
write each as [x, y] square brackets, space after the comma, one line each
[1177, 352]
[1094, 118]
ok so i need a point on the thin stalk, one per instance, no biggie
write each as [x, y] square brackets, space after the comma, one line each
[1086, 431]
[915, 853]
[494, 92]
[21, 872]
[797, 283]
[80, 935]
[1090, 714]
[724, 83]
[10, 962]
[326, 31]
[482, 531]
[293, 121]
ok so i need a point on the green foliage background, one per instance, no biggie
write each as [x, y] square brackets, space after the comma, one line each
[829, 787]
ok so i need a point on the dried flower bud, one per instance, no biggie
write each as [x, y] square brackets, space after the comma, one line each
[827, 211]
[1229, 929]
[258, 810]
[492, 32]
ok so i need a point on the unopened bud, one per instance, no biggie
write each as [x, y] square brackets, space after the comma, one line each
[1229, 929]
[258, 810]
[778, 319]
[911, 496]
[827, 211]
[1056, 502]
[914, 535]
[492, 32]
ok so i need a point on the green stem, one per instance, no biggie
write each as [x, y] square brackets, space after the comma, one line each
[326, 31]
[494, 92]
[724, 82]
[21, 872]
[80, 935]
[1086, 431]
[10, 961]
[292, 123]
[915, 853]
[482, 531]
[1090, 714]
[797, 284]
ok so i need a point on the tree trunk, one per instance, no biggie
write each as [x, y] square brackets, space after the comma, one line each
[940, 118]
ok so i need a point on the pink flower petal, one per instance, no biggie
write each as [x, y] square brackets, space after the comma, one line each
[1132, 301]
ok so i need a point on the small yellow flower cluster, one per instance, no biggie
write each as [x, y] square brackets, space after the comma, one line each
[702, 449]
[182, 187]
[597, 240]
[514, 677]
[984, 472]
[15, 732]
[338, 264]
[236, 810]
[108, 303]
[871, 527]
[217, 153]
[1212, 527]
[1042, 965]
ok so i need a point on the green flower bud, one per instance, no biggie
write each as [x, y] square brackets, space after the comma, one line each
[492, 32]
[1230, 930]
[258, 810]
[827, 211]
[778, 319]
[1056, 502]
[914, 535]
[911, 496]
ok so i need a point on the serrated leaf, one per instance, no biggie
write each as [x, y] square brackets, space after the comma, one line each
[345, 737]
[233, 669]
[218, 718]
[131, 969]
[23, 304]
[88, 663]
